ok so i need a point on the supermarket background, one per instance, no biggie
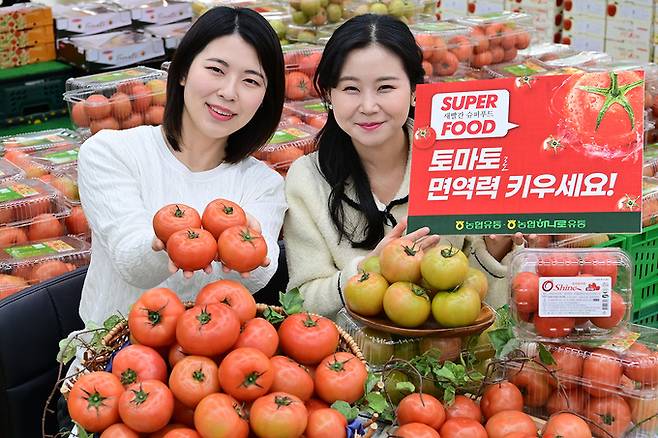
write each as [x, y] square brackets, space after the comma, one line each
[62, 65]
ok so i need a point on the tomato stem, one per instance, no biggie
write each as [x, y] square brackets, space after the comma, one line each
[198, 375]
[309, 321]
[178, 212]
[282, 400]
[204, 317]
[252, 379]
[140, 396]
[192, 235]
[364, 276]
[228, 210]
[128, 376]
[449, 252]
[94, 400]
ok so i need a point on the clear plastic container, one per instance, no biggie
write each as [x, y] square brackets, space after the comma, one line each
[649, 201]
[544, 51]
[34, 141]
[171, 34]
[279, 20]
[518, 68]
[570, 294]
[115, 79]
[445, 45]
[575, 58]
[65, 181]
[311, 112]
[120, 101]
[650, 160]
[463, 73]
[40, 260]
[9, 171]
[50, 160]
[579, 240]
[313, 13]
[301, 62]
[22, 200]
[621, 376]
[498, 37]
[309, 33]
[409, 11]
[288, 143]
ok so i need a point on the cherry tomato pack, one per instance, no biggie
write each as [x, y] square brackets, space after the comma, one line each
[570, 294]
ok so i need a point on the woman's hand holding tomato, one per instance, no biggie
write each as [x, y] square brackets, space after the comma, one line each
[421, 236]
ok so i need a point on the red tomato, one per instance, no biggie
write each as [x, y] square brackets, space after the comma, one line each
[119, 431]
[506, 422]
[278, 415]
[326, 423]
[462, 428]
[525, 292]
[400, 261]
[242, 249]
[77, 223]
[93, 401]
[503, 396]
[562, 265]
[566, 425]
[45, 226]
[49, 269]
[192, 249]
[259, 334]
[424, 138]
[220, 416]
[610, 413]
[313, 404]
[176, 354]
[146, 406]
[11, 236]
[601, 264]
[183, 414]
[568, 400]
[463, 407]
[340, 376]
[182, 433]
[208, 330]
[231, 293]
[222, 214]
[425, 409]
[416, 430]
[246, 374]
[136, 363]
[568, 364]
[11, 284]
[641, 364]
[533, 382]
[152, 319]
[308, 338]
[298, 85]
[165, 430]
[602, 370]
[554, 326]
[291, 377]
[174, 217]
[193, 378]
[617, 313]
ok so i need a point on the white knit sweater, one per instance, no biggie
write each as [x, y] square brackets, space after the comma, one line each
[319, 264]
[125, 177]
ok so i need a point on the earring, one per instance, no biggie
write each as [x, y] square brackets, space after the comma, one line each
[413, 99]
[330, 106]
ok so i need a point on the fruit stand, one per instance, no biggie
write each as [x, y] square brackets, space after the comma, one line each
[416, 351]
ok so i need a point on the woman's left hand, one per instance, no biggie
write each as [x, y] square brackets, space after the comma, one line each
[252, 223]
[500, 245]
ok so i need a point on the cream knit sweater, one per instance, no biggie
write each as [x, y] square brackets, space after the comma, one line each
[320, 265]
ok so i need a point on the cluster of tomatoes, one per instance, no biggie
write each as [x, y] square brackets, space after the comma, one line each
[133, 104]
[300, 69]
[497, 42]
[408, 284]
[499, 414]
[194, 241]
[229, 372]
[525, 291]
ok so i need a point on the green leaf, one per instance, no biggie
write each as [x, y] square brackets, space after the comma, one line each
[444, 373]
[344, 408]
[449, 394]
[272, 316]
[388, 415]
[82, 433]
[371, 381]
[111, 322]
[405, 387]
[67, 349]
[292, 301]
[504, 317]
[512, 345]
[545, 356]
[376, 402]
[499, 338]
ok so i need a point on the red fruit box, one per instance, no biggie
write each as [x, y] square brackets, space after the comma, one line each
[311, 112]
[28, 55]
[24, 16]
[445, 45]
[27, 38]
[37, 261]
[498, 37]
[301, 62]
[9, 171]
[117, 100]
[287, 144]
[34, 141]
[614, 383]
[649, 201]
[570, 294]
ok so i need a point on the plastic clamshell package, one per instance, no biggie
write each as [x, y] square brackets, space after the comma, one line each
[649, 201]
[24, 260]
[120, 104]
[157, 11]
[622, 371]
[308, 33]
[570, 294]
[22, 200]
[445, 46]
[313, 112]
[578, 240]
[518, 68]
[411, 11]
[171, 34]
[300, 62]
[288, 143]
[9, 171]
[113, 79]
[34, 141]
[65, 181]
[53, 159]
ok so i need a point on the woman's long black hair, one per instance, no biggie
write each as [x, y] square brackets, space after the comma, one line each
[338, 159]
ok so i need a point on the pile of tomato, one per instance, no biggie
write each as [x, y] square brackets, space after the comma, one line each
[216, 370]
[300, 68]
[407, 284]
[193, 241]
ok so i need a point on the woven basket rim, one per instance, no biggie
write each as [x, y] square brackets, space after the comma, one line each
[116, 337]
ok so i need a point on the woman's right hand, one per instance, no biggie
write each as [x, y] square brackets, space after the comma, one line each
[159, 245]
[422, 236]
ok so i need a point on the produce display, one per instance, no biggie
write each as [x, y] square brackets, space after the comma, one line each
[288, 143]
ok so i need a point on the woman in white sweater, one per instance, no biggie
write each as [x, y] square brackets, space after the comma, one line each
[224, 99]
[349, 199]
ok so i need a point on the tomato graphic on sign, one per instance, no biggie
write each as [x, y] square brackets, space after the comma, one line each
[602, 113]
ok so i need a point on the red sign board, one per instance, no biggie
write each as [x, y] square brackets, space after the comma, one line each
[546, 154]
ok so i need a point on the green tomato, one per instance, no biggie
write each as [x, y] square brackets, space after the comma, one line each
[377, 347]
[409, 10]
[324, 3]
[279, 27]
[298, 17]
[306, 36]
[364, 293]
[456, 309]
[378, 9]
[390, 382]
[444, 268]
[335, 14]
[406, 349]
[370, 264]
[396, 8]
[310, 7]
[406, 304]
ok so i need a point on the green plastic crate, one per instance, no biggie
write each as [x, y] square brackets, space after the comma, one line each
[615, 241]
[643, 251]
[648, 315]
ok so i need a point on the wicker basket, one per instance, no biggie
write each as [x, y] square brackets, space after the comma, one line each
[118, 336]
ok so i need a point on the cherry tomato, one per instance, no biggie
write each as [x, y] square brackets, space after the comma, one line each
[208, 330]
[222, 214]
[152, 319]
[136, 363]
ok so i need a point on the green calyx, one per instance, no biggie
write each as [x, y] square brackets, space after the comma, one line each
[614, 94]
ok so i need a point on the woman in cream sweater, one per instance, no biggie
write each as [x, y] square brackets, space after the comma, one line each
[349, 199]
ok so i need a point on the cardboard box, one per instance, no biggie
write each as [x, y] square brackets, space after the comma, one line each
[584, 41]
[157, 12]
[621, 50]
[24, 16]
[481, 7]
[27, 38]
[29, 55]
[586, 8]
[583, 24]
[90, 18]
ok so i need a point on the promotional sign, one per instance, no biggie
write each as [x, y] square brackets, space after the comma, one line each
[544, 155]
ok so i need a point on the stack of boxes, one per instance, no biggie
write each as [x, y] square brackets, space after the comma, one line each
[546, 14]
[583, 24]
[629, 28]
[26, 35]
[447, 9]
